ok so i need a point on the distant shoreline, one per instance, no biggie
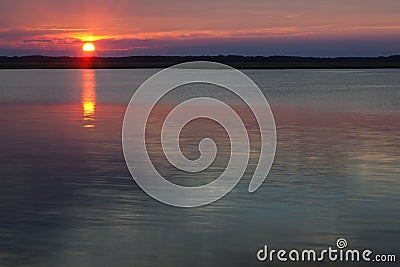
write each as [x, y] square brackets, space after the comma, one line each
[242, 62]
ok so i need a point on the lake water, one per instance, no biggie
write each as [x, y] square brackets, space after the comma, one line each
[67, 198]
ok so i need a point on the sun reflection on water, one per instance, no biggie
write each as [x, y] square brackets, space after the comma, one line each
[88, 97]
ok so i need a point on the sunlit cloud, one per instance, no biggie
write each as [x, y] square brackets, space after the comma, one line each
[136, 26]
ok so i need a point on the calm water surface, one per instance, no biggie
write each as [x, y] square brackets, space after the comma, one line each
[67, 198]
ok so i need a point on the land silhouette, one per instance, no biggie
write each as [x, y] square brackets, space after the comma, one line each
[244, 62]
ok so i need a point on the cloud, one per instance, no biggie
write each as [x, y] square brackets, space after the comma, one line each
[121, 26]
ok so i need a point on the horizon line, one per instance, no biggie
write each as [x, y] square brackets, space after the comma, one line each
[182, 56]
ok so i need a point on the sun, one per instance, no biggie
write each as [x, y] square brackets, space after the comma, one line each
[88, 47]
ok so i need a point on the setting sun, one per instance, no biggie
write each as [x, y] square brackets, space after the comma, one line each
[88, 47]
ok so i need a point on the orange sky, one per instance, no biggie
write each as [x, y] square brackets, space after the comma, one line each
[201, 27]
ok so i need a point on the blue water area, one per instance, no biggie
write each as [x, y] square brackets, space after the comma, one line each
[67, 197]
